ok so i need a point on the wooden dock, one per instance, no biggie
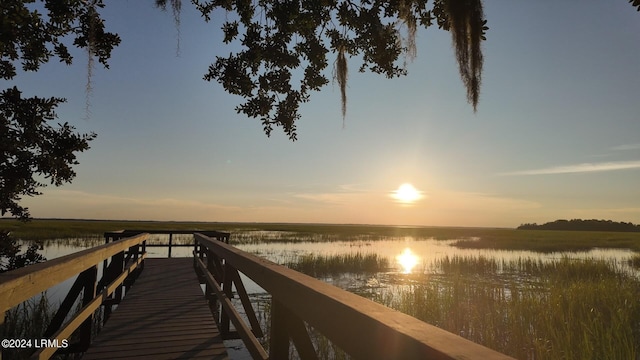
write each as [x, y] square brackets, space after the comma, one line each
[164, 316]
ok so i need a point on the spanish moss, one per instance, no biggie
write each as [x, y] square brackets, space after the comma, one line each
[409, 20]
[340, 74]
[91, 49]
[466, 22]
[176, 7]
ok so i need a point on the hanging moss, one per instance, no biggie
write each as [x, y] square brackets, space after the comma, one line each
[340, 74]
[467, 26]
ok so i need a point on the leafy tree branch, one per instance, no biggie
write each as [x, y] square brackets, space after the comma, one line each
[282, 38]
[32, 149]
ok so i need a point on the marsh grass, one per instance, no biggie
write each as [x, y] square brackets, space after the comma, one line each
[321, 265]
[566, 309]
[548, 241]
[485, 238]
[527, 308]
[28, 320]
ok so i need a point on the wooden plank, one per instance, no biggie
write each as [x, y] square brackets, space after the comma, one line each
[361, 327]
[164, 316]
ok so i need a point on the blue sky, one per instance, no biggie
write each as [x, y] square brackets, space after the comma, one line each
[556, 134]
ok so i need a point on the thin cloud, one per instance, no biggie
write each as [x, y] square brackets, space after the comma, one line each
[580, 168]
[343, 194]
[626, 147]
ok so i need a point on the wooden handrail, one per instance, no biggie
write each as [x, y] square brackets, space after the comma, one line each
[129, 232]
[362, 328]
[115, 235]
[253, 346]
[21, 284]
[86, 311]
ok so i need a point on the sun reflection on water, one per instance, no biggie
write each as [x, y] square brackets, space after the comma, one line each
[407, 260]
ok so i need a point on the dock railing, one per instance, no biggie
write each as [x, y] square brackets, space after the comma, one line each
[360, 327]
[110, 236]
[123, 261]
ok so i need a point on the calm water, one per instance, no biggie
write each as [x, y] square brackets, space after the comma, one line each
[407, 256]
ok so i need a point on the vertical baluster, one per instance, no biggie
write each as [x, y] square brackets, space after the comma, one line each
[279, 340]
[211, 297]
[227, 284]
[89, 292]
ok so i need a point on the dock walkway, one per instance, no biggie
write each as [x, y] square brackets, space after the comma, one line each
[164, 316]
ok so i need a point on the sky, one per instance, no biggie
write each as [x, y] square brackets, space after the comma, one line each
[556, 134]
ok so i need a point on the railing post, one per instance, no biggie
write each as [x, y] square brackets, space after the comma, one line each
[170, 242]
[111, 273]
[225, 322]
[211, 297]
[198, 254]
[279, 340]
[89, 293]
[144, 251]
[286, 326]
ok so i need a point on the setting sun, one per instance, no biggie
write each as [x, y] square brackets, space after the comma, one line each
[406, 194]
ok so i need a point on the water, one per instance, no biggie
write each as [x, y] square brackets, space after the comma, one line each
[408, 257]
[411, 255]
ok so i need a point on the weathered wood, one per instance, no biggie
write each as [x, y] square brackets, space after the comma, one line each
[19, 285]
[361, 327]
[163, 316]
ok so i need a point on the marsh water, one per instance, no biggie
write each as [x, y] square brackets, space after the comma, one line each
[410, 260]
[408, 257]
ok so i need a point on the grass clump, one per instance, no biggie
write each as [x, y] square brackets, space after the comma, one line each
[28, 320]
[320, 265]
[530, 309]
[635, 261]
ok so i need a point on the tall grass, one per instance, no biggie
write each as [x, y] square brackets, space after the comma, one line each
[28, 320]
[529, 309]
[321, 265]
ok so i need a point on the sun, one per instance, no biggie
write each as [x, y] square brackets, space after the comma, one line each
[406, 194]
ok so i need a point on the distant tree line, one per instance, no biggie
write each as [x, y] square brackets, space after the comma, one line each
[583, 225]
